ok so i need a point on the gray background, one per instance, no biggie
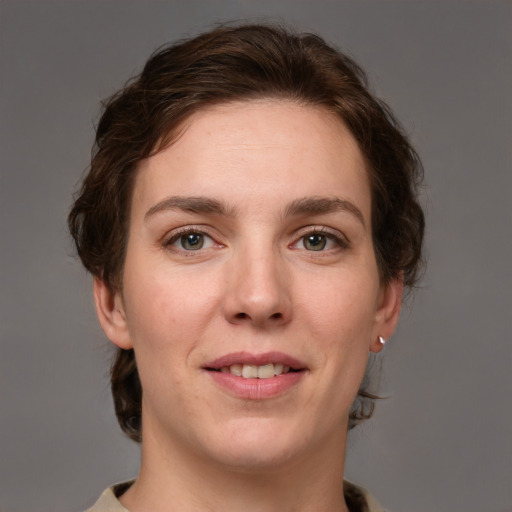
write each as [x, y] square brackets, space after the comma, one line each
[442, 441]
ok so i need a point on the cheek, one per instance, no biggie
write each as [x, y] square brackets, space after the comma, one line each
[341, 309]
[166, 310]
[340, 324]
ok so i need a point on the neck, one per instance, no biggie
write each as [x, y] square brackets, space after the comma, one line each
[174, 477]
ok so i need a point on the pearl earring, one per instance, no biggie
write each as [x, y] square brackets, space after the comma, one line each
[382, 341]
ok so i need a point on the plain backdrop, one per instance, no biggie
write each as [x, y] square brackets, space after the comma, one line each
[442, 440]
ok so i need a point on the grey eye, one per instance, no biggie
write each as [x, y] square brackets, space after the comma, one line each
[192, 241]
[315, 242]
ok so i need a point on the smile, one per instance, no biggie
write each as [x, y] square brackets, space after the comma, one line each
[256, 376]
[252, 371]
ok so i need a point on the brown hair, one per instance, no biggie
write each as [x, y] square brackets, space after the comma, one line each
[234, 63]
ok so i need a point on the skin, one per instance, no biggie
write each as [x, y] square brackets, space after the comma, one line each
[255, 286]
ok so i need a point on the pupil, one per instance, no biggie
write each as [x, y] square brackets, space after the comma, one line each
[315, 242]
[192, 241]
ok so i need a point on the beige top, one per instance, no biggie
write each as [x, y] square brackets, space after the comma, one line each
[358, 500]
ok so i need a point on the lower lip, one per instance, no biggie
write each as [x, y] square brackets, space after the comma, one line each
[256, 389]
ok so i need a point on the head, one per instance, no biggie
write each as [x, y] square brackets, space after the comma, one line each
[227, 66]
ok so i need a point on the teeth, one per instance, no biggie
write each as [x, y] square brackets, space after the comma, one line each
[236, 369]
[249, 371]
[252, 371]
[266, 371]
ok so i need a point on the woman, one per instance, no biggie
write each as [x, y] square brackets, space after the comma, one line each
[250, 219]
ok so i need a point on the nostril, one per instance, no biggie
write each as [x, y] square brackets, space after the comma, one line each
[244, 316]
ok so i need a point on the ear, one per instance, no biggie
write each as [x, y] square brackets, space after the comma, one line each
[387, 313]
[111, 315]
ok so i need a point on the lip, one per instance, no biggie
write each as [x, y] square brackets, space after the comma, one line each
[257, 359]
[256, 389]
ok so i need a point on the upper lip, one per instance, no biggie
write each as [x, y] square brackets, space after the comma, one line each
[255, 359]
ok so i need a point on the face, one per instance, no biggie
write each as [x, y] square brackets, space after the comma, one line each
[251, 294]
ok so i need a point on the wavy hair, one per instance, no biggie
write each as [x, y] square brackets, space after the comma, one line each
[240, 63]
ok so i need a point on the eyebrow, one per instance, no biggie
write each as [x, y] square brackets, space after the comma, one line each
[322, 205]
[305, 206]
[197, 204]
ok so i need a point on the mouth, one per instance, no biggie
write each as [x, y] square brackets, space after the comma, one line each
[256, 376]
[256, 366]
[253, 371]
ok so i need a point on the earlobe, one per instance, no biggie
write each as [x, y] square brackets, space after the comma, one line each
[111, 314]
[387, 314]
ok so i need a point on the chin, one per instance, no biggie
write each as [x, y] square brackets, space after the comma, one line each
[256, 459]
[258, 445]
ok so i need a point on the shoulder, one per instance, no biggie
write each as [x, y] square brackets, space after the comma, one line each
[108, 501]
[359, 499]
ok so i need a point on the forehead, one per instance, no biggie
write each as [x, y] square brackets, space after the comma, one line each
[265, 150]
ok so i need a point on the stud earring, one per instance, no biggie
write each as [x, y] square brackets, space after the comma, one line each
[382, 341]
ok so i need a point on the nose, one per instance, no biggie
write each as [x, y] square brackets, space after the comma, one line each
[258, 290]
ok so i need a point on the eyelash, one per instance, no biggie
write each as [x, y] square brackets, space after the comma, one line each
[339, 239]
[189, 230]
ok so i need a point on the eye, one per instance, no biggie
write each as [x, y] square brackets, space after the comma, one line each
[320, 240]
[314, 242]
[191, 241]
